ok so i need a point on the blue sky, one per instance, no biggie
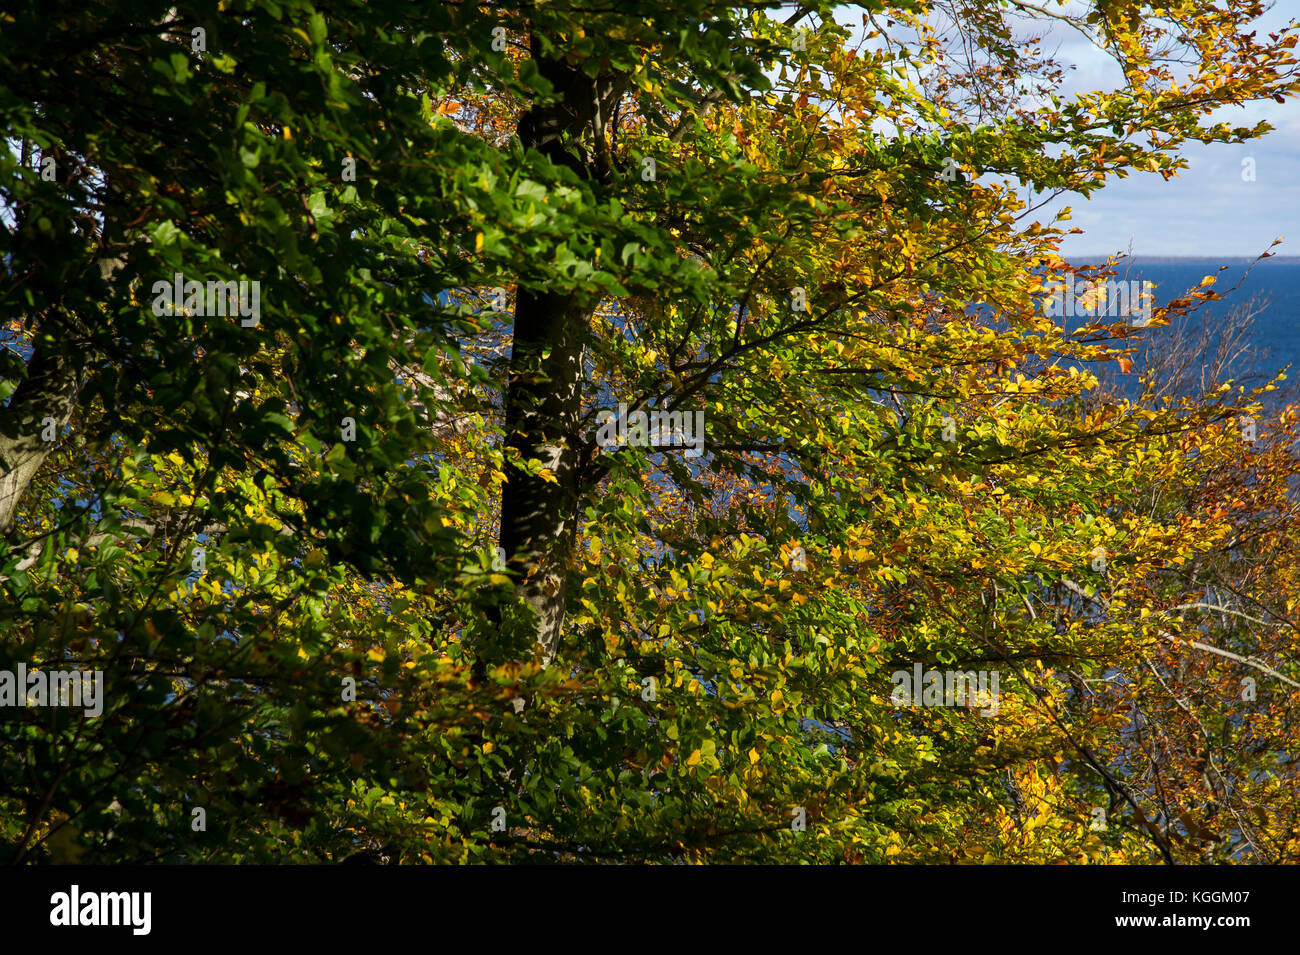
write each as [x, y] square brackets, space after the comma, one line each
[1208, 210]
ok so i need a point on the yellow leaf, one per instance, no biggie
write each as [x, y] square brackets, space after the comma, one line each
[694, 758]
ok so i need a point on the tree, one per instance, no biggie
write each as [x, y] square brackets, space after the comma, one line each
[165, 436]
[808, 241]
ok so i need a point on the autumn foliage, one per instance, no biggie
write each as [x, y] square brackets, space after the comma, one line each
[478, 226]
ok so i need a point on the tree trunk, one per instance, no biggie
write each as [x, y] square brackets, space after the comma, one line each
[543, 405]
[543, 401]
[56, 368]
[42, 404]
[48, 392]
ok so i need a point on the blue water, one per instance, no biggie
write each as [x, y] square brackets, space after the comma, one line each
[1276, 329]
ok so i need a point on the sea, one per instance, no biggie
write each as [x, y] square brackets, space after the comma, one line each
[1271, 286]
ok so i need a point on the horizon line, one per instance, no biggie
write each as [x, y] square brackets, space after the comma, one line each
[1102, 256]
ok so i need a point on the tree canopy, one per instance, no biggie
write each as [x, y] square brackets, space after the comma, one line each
[557, 432]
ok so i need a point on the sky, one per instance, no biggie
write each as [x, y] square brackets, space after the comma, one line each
[1208, 210]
